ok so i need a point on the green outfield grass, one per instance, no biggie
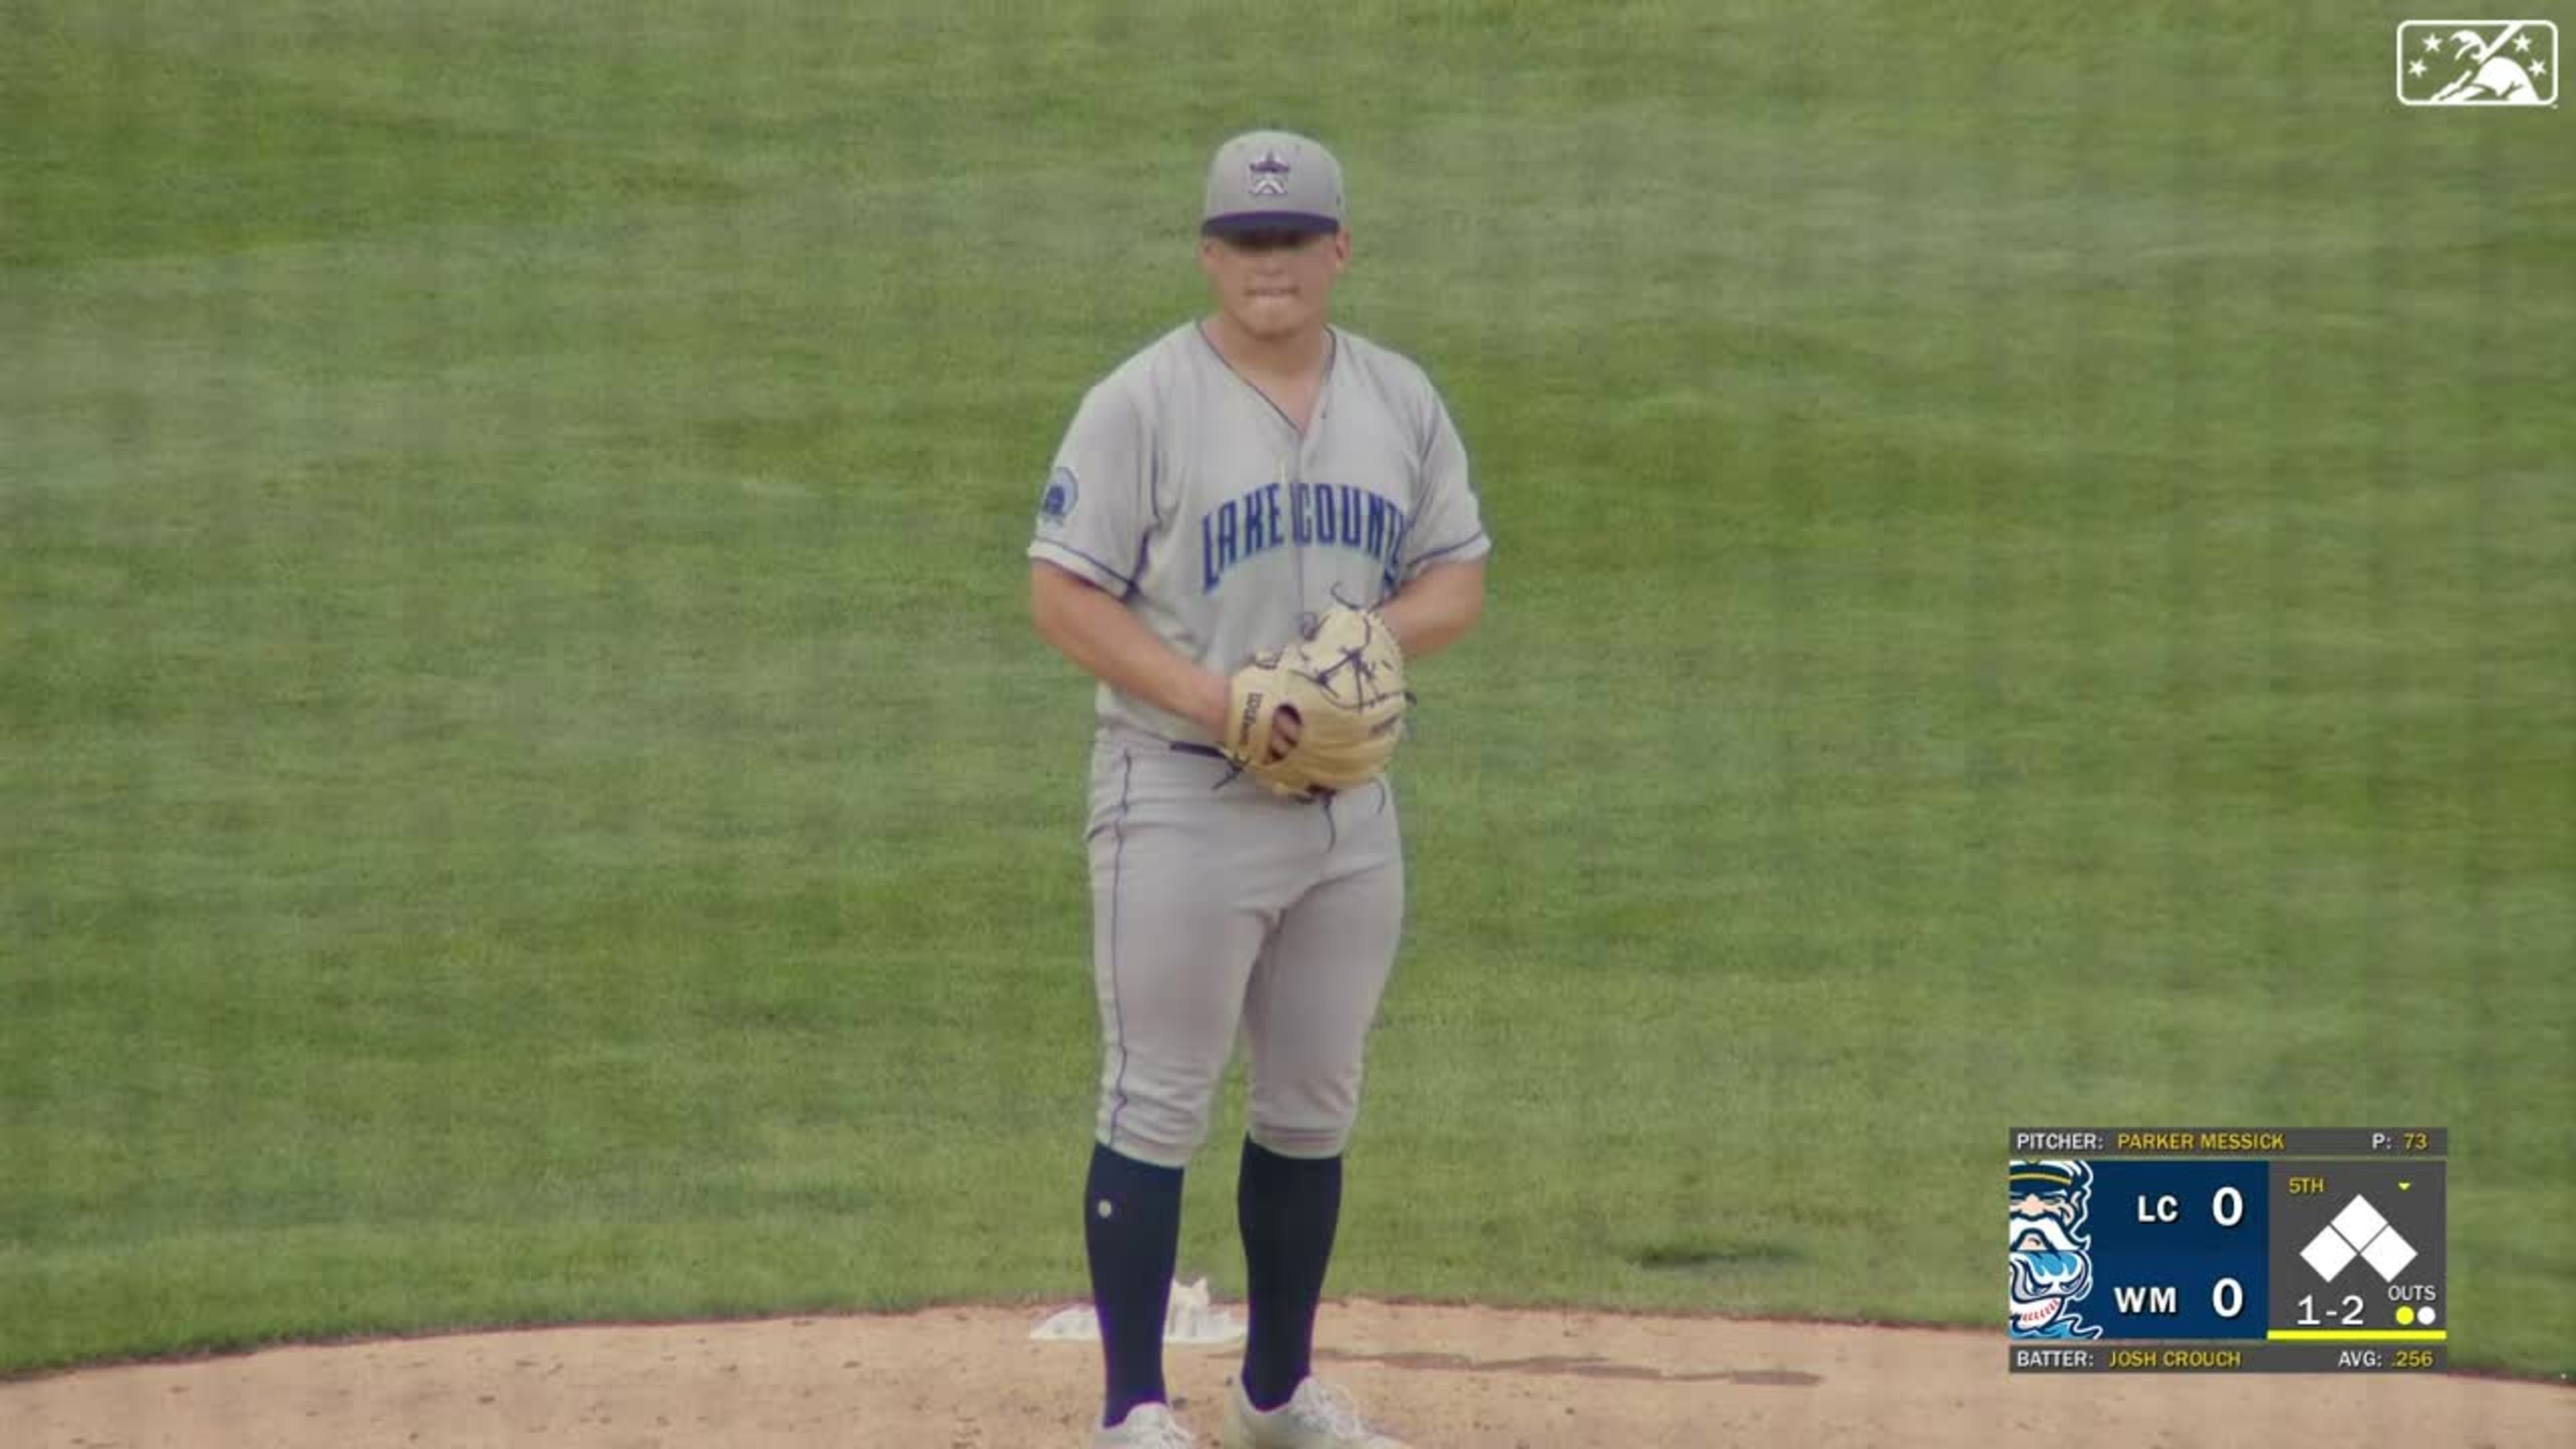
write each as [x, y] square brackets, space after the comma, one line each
[2036, 582]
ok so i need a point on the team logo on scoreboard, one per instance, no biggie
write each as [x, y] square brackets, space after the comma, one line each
[2048, 1249]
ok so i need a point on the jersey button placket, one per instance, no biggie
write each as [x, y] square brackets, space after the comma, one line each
[1301, 528]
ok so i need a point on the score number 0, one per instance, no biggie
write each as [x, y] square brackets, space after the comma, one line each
[2227, 1207]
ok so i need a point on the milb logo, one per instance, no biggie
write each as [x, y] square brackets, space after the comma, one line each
[2477, 63]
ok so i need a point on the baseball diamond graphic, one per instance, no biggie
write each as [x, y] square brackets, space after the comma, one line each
[2365, 1246]
[2358, 1232]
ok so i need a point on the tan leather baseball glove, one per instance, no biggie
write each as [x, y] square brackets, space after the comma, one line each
[1343, 685]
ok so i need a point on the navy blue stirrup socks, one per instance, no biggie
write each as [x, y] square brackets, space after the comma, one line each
[1131, 1231]
[1288, 1208]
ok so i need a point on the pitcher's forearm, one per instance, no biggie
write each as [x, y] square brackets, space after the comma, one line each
[1098, 633]
[1437, 608]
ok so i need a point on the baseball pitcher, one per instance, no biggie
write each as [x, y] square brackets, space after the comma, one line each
[1253, 529]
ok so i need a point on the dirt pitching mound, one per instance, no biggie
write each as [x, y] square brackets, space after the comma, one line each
[1447, 1378]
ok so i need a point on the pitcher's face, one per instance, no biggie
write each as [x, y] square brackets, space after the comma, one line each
[1274, 284]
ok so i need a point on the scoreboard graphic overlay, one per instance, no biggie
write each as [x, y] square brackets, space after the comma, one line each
[2228, 1250]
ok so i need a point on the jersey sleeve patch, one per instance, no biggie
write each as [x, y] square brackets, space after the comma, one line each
[1056, 501]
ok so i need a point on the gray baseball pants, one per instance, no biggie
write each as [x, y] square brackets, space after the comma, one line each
[1223, 911]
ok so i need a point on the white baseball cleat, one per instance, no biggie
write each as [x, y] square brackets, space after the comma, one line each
[1317, 1416]
[1147, 1426]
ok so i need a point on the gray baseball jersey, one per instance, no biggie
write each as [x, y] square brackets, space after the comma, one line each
[1181, 489]
[1219, 909]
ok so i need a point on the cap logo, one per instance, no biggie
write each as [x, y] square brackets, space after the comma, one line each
[1269, 175]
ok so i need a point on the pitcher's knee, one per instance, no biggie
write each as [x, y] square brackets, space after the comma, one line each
[1303, 1115]
[1303, 1141]
[1153, 1129]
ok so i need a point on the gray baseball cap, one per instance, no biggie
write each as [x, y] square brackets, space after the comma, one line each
[1272, 181]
